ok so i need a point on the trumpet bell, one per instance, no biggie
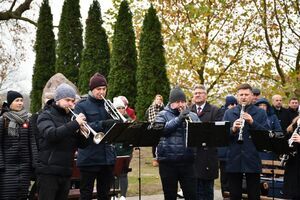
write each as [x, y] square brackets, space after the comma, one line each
[98, 137]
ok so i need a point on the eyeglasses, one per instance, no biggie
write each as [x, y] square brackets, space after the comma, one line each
[120, 107]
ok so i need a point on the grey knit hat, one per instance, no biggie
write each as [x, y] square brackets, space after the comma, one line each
[64, 91]
[176, 94]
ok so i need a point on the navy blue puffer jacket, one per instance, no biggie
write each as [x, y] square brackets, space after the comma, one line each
[95, 154]
[172, 147]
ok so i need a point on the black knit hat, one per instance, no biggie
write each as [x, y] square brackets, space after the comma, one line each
[11, 96]
[97, 80]
[176, 94]
[256, 91]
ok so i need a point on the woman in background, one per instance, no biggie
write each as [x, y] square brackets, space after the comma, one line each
[18, 150]
[124, 153]
[156, 106]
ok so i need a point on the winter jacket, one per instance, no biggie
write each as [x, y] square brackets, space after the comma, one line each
[59, 138]
[292, 176]
[273, 121]
[283, 117]
[206, 163]
[95, 154]
[244, 158]
[172, 146]
[18, 156]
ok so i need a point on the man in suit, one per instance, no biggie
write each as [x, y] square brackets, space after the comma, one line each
[207, 158]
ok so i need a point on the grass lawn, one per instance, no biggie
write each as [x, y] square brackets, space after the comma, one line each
[150, 180]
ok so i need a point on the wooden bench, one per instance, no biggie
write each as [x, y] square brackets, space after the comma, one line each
[271, 169]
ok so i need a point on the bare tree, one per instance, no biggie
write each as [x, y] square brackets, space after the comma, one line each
[16, 12]
[12, 30]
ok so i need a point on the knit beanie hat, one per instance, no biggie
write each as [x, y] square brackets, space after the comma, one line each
[64, 91]
[117, 102]
[229, 100]
[176, 94]
[97, 80]
[11, 96]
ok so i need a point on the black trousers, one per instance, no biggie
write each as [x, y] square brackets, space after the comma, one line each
[172, 173]
[104, 177]
[52, 187]
[223, 177]
[235, 185]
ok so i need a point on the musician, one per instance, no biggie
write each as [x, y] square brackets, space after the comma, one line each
[243, 157]
[59, 137]
[292, 167]
[96, 162]
[18, 151]
[206, 163]
[175, 158]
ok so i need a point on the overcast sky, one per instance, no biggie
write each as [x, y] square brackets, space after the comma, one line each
[24, 73]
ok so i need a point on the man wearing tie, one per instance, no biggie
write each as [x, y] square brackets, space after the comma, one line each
[206, 163]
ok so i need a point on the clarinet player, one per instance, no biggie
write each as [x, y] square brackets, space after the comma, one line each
[242, 155]
[292, 167]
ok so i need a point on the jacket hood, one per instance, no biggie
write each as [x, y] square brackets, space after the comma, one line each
[270, 110]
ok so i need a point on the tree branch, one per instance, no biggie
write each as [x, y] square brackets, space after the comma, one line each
[17, 13]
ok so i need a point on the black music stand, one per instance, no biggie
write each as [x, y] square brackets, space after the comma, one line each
[265, 140]
[270, 141]
[136, 134]
[208, 134]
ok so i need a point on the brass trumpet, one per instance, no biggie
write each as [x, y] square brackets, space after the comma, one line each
[97, 136]
[114, 113]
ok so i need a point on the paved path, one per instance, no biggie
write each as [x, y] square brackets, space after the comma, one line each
[217, 194]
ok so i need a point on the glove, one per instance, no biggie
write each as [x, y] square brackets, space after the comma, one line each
[184, 114]
[108, 123]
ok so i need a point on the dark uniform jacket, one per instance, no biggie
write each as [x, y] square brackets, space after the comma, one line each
[95, 154]
[283, 117]
[206, 163]
[244, 158]
[59, 138]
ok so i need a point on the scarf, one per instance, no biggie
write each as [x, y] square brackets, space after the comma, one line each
[16, 119]
[153, 111]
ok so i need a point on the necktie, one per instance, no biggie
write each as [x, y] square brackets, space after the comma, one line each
[199, 110]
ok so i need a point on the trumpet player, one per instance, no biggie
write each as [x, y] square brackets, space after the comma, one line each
[176, 160]
[96, 162]
[243, 158]
[59, 137]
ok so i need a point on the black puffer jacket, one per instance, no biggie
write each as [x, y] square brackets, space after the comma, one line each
[172, 146]
[58, 140]
[17, 161]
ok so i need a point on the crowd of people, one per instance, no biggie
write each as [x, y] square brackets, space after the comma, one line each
[42, 147]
